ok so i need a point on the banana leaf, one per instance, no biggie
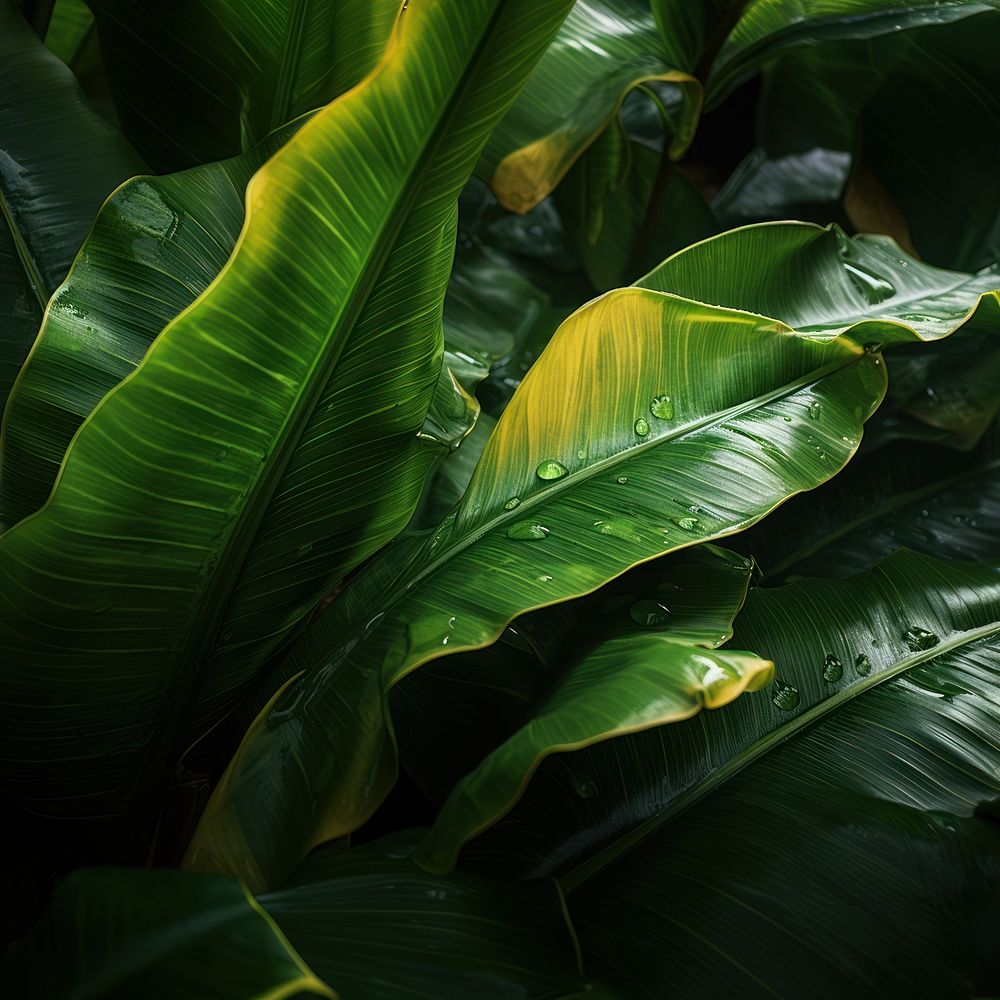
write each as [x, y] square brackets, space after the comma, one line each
[227, 474]
[652, 661]
[598, 463]
[194, 81]
[117, 932]
[859, 866]
[58, 162]
[604, 50]
[368, 921]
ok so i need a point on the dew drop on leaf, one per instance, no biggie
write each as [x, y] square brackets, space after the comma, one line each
[862, 665]
[623, 480]
[833, 669]
[618, 528]
[527, 531]
[512, 503]
[550, 469]
[918, 638]
[649, 613]
[642, 427]
[584, 785]
[785, 696]
[815, 409]
[662, 407]
[687, 523]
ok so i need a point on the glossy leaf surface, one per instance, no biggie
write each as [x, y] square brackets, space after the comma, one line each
[597, 464]
[228, 467]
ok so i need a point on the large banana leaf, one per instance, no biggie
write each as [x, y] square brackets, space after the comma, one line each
[58, 162]
[208, 502]
[117, 932]
[650, 423]
[842, 846]
[195, 81]
[604, 50]
[156, 245]
[652, 661]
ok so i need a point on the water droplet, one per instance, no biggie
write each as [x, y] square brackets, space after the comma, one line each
[862, 665]
[512, 503]
[833, 669]
[581, 453]
[815, 409]
[527, 531]
[787, 419]
[687, 523]
[919, 639]
[550, 469]
[875, 289]
[618, 528]
[785, 696]
[662, 407]
[545, 578]
[584, 785]
[642, 427]
[623, 480]
[649, 613]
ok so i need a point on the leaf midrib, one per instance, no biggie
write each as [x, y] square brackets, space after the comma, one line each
[24, 255]
[629, 841]
[187, 673]
[573, 479]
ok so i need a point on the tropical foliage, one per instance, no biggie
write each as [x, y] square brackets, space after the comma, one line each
[500, 498]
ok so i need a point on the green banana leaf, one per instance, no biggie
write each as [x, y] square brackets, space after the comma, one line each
[70, 34]
[231, 476]
[767, 28]
[195, 81]
[869, 97]
[604, 50]
[118, 932]
[598, 463]
[58, 162]
[652, 661]
[840, 837]
[155, 246]
[370, 924]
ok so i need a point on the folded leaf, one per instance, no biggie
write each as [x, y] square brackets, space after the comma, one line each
[227, 476]
[654, 662]
[604, 50]
[650, 423]
[58, 162]
[196, 81]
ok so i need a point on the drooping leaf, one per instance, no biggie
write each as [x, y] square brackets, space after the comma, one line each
[655, 661]
[71, 31]
[117, 932]
[209, 502]
[58, 162]
[624, 442]
[196, 81]
[604, 50]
